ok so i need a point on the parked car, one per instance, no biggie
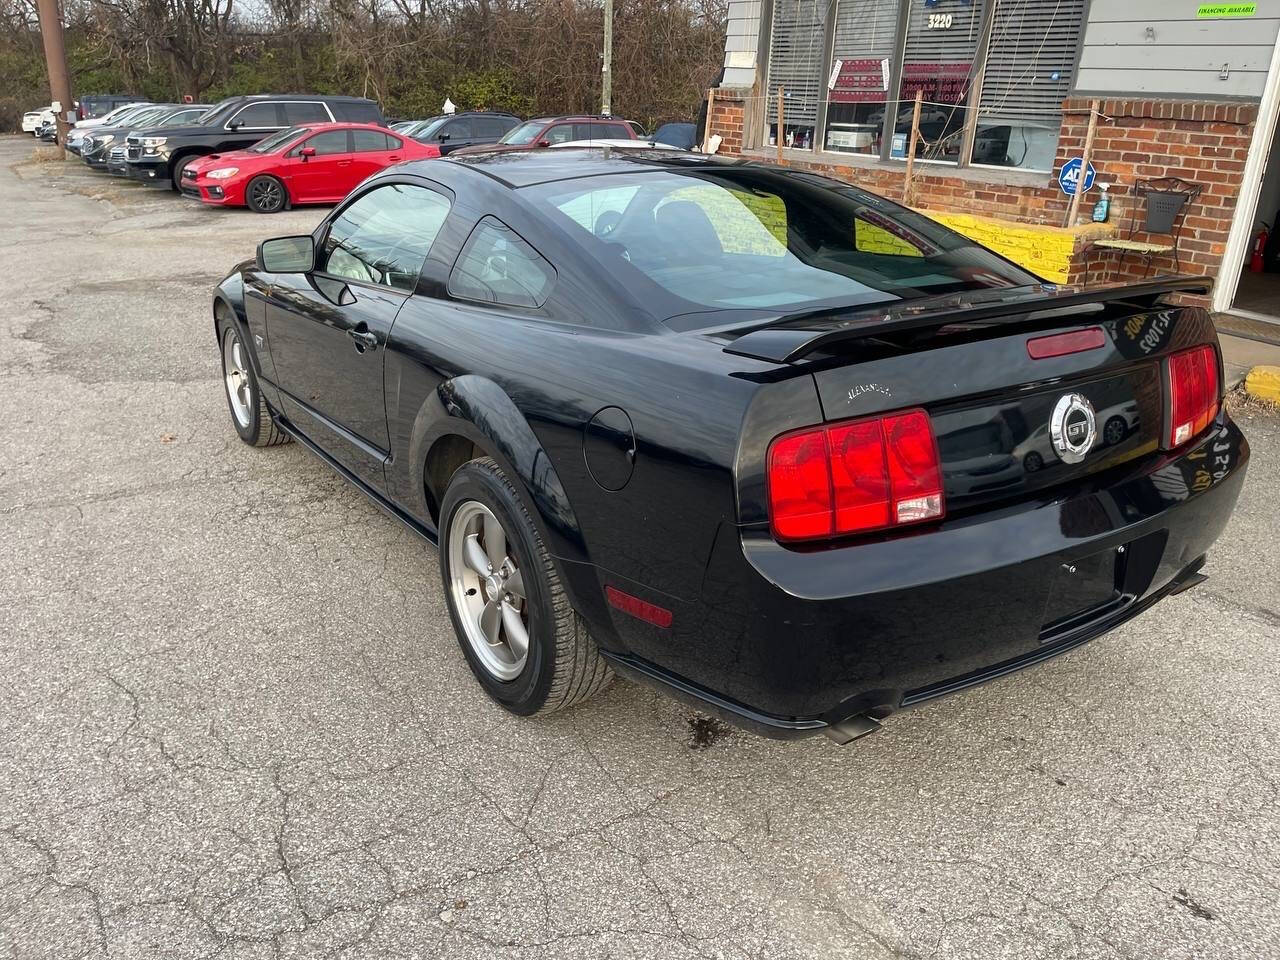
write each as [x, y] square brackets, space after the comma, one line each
[83, 128]
[546, 131]
[116, 163]
[677, 419]
[318, 163]
[158, 156]
[32, 119]
[100, 104]
[682, 135]
[613, 144]
[453, 131]
[96, 148]
[93, 143]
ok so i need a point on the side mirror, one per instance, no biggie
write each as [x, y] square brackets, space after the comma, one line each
[543, 143]
[235, 124]
[287, 255]
[306, 153]
[443, 136]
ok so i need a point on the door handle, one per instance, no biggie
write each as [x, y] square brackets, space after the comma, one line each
[395, 157]
[365, 338]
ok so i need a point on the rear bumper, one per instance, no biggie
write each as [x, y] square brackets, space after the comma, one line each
[789, 642]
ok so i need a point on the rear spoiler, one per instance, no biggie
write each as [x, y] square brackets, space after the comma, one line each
[795, 336]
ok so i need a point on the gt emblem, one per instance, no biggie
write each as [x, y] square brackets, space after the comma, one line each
[1073, 428]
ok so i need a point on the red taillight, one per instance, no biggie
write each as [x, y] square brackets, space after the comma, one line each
[1061, 344]
[1193, 393]
[854, 476]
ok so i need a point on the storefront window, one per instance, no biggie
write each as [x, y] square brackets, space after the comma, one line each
[858, 86]
[796, 65]
[1027, 76]
[939, 59]
[992, 75]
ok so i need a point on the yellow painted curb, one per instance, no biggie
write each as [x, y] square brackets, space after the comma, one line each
[1264, 382]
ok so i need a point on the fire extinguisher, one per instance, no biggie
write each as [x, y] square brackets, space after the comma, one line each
[1256, 262]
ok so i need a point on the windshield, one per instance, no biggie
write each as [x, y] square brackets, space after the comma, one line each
[220, 108]
[117, 113]
[142, 117]
[425, 128]
[181, 118]
[277, 140]
[525, 133]
[750, 238]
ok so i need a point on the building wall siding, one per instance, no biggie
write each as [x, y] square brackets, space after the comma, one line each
[1160, 47]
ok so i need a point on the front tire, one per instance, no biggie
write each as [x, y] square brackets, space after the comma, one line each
[175, 173]
[265, 194]
[523, 641]
[249, 413]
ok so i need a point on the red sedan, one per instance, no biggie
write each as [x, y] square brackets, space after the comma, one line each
[318, 163]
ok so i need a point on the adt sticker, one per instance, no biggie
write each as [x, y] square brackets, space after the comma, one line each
[1069, 176]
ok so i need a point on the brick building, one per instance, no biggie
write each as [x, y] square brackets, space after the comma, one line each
[1183, 89]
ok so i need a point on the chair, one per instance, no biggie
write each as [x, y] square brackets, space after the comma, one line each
[1166, 203]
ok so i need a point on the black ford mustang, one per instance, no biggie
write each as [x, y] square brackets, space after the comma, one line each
[777, 445]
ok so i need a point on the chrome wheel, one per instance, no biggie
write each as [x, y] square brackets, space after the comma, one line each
[488, 591]
[235, 367]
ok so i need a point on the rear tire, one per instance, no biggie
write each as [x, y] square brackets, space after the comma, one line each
[249, 412]
[265, 194]
[537, 656]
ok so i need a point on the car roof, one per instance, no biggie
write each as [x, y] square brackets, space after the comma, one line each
[345, 125]
[334, 97]
[524, 168]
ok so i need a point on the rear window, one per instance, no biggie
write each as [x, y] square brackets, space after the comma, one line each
[749, 238]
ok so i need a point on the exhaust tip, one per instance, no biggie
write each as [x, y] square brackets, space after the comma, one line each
[850, 729]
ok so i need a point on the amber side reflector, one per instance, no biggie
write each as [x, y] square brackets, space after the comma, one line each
[1061, 344]
[640, 609]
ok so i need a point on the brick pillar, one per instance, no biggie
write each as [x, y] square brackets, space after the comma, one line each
[726, 119]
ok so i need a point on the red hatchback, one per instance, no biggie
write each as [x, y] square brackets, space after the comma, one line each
[318, 163]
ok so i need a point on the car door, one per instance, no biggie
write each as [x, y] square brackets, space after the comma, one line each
[456, 133]
[324, 177]
[371, 151]
[327, 329]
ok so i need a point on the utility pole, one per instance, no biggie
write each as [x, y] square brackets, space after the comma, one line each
[55, 56]
[606, 82]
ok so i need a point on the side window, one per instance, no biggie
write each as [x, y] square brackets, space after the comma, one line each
[610, 131]
[560, 133]
[368, 141]
[383, 238]
[358, 111]
[296, 113]
[258, 116]
[497, 266]
[324, 144]
[491, 128]
[459, 129]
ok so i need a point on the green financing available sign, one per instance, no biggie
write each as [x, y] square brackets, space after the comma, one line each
[1209, 10]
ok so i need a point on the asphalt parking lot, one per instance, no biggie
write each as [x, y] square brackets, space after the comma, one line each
[234, 721]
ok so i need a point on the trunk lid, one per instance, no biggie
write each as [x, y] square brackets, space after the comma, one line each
[992, 404]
